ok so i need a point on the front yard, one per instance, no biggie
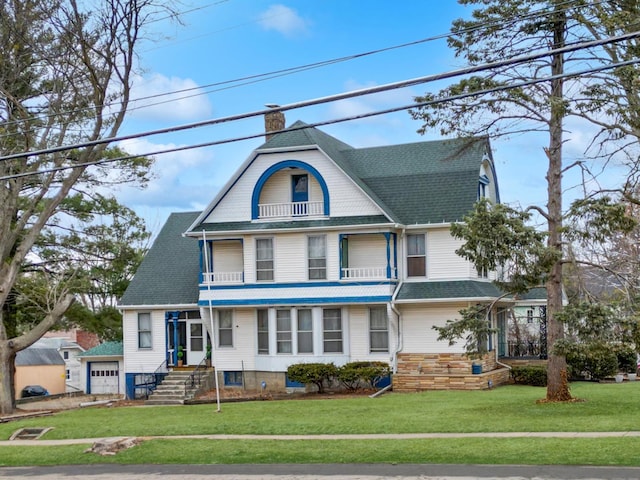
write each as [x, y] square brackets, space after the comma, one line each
[606, 407]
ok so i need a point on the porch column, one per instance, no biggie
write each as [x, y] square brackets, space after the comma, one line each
[387, 237]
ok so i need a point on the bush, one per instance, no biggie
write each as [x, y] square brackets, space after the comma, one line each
[627, 359]
[594, 361]
[354, 374]
[317, 374]
[530, 375]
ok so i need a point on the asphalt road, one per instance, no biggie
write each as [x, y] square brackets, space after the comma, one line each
[318, 472]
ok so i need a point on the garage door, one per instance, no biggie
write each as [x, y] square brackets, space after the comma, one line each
[104, 377]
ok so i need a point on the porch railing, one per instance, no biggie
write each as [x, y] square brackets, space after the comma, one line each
[218, 278]
[371, 273]
[523, 349]
[290, 209]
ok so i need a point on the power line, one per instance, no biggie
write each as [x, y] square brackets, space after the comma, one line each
[332, 98]
[251, 79]
[334, 121]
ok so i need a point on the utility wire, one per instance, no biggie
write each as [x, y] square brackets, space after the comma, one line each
[334, 121]
[252, 79]
[332, 98]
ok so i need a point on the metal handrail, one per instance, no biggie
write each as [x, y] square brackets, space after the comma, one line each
[195, 379]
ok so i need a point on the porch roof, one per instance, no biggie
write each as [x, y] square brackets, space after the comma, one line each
[296, 224]
[448, 290]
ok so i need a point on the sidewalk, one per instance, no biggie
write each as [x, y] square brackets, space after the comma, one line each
[396, 436]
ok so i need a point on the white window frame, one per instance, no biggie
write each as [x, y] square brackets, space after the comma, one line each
[322, 270]
[226, 329]
[145, 331]
[339, 338]
[261, 331]
[284, 332]
[272, 260]
[378, 331]
[304, 333]
[422, 255]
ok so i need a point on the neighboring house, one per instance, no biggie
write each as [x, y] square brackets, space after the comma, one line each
[69, 352]
[525, 331]
[39, 366]
[315, 251]
[101, 370]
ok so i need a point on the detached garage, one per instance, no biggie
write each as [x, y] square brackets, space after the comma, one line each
[102, 369]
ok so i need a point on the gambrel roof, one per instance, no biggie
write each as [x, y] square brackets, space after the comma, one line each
[415, 183]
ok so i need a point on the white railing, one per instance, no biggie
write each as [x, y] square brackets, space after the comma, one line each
[370, 273]
[292, 209]
[223, 277]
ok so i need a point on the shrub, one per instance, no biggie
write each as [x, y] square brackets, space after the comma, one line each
[317, 374]
[627, 359]
[530, 375]
[594, 361]
[354, 374]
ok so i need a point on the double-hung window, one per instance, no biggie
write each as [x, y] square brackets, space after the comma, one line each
[378, 330]
[263, 332]
[317, 253]
[416, 256]
[332, 330]
[305, 331]
[283, 331]
[144, 330]
[264, 259]
[225, 328]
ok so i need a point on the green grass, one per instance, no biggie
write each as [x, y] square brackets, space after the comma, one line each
[607, 407]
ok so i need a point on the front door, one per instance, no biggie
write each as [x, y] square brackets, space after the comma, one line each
[196, 341]
[300, 194]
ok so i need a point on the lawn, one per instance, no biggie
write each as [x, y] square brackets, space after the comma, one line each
[606, 407]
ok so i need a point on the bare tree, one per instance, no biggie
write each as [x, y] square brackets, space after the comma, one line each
[65, 75]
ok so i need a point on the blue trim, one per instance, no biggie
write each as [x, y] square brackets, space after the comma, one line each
[88, 388]
[387, 237]
[130, 385]
[173, 316]
[298, 301]
[341, 237]
[200, 243]
[257, 190]
[297, 285]
[395, 253]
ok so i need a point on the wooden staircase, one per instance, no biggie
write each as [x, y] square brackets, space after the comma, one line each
[172, 390]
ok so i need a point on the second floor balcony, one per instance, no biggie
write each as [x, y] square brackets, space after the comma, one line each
[290, 209]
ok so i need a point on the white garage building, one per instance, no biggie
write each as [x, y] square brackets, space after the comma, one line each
[102, 369]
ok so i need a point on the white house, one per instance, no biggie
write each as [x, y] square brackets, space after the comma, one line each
[315, 251]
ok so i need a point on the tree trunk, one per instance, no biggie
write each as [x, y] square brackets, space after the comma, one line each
[557, 387]
[7, 368]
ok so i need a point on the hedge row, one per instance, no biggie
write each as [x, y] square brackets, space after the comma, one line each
[352, 376]
[530, 375]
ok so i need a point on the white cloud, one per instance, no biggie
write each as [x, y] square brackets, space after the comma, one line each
[284, 20]
[188, 103]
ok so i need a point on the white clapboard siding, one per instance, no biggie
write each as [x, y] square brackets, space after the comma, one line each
[418, 333]
[442, 260]
[143, 360]
[345, 198]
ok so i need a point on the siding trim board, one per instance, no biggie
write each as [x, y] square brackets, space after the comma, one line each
[296, 301]
[346, 283]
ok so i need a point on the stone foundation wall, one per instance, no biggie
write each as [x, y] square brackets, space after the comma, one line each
[446, 371]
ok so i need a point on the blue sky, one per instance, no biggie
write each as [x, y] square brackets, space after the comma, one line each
[227, 40]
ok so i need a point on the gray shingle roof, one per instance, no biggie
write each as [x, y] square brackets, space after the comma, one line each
[415, 183]
[169, 273]
[38, 356]
[447, 289]
[325, 222]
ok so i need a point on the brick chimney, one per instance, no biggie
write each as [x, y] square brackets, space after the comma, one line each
[273, 120]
